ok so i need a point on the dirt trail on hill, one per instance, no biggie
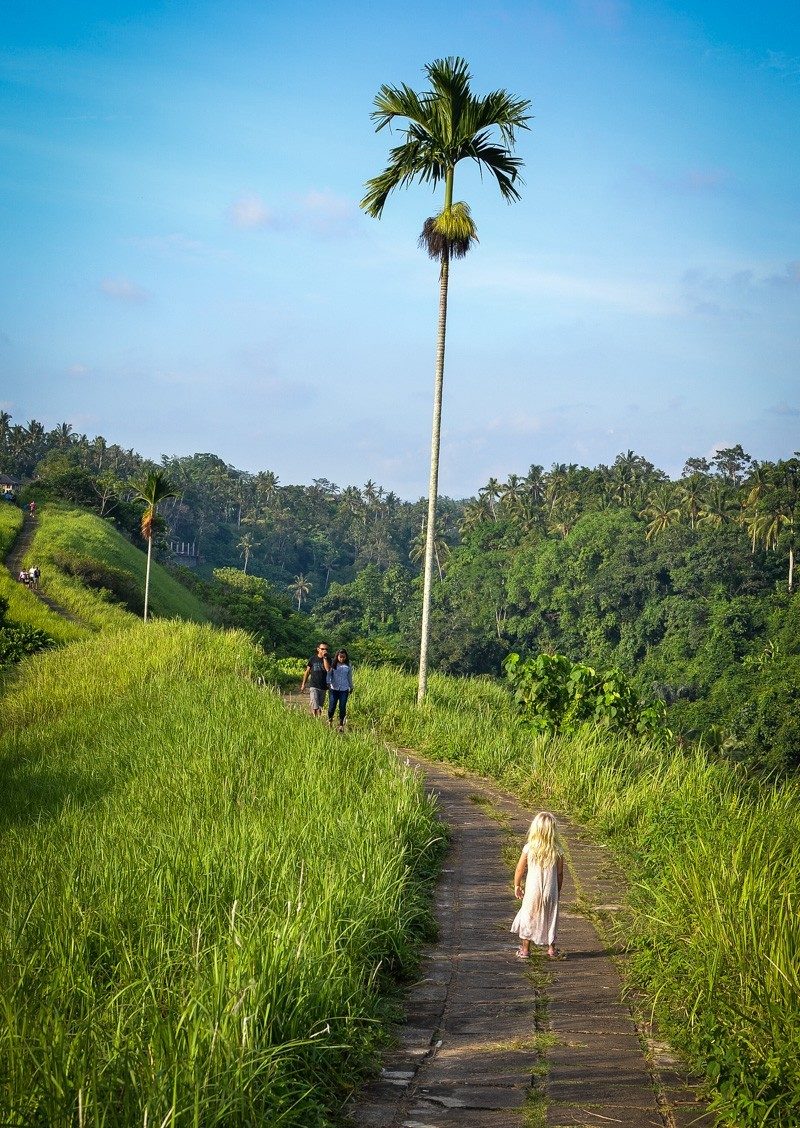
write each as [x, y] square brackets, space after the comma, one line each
[489, 1040]
[14, 560]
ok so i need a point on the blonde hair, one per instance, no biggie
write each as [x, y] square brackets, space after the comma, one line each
[544, 844]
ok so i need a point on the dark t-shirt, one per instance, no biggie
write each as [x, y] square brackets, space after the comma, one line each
[318, 675]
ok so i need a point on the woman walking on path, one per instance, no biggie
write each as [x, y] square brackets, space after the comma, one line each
[340, 686]
[543, 860]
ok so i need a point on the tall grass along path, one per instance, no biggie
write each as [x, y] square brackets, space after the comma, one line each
[489, 1040]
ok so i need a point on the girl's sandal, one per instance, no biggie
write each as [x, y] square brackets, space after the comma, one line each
[557, 955]
[522, 955]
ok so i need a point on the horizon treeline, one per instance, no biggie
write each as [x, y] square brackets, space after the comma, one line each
[686, 585]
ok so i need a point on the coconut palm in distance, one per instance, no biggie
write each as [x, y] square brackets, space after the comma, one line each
[300, 587]
[155, 488]
[444, 125]
[246, 545]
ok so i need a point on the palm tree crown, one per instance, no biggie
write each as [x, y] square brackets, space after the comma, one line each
[446, 124]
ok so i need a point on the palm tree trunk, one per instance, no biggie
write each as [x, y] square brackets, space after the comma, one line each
[147, 576]
[433, 483]
[791, 567]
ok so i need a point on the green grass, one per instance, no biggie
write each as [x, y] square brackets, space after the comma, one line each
[713, 864]
[202, 890]
[72, 533]
[24, 609]
[11, 519]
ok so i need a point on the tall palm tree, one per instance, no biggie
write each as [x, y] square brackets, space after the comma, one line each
[475, 514]
[661, 512]
[246, 545]
[719, 506]
[490, 493]
[155, 488]
[300, 587]
[445, 124]
[692, 492]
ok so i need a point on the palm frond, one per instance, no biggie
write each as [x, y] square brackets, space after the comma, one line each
[444, 125]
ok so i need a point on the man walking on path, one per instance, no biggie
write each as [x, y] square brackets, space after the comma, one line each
[316, 674]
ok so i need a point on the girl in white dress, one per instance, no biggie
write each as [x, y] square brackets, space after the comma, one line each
[543, 860]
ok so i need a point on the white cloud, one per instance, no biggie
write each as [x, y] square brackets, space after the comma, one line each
[634, 295]
[175, 245]
[327, 214]
[318, 212]
[78, 370]
[738, 293]
[122, 289]
[520, 423]
[786, 66]
[249, 213]
[608, 14]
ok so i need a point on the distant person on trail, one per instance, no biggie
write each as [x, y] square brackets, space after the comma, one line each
[340, 686]
[542, 859]
[32, 508]
[23, 577]
[316, 674]
[33, 575]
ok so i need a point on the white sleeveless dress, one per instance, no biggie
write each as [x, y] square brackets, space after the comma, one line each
[537, 919]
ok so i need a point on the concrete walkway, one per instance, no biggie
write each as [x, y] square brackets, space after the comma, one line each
[491, 1040]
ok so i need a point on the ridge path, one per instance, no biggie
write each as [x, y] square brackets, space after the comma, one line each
[14, 558]
[491, 1040]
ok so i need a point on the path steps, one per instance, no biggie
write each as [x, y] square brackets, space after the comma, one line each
[490, 1040]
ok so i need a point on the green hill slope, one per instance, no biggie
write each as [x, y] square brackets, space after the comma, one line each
[24, 608]
[95, 574]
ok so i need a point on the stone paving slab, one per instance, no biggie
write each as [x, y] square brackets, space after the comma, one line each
[483, 1037]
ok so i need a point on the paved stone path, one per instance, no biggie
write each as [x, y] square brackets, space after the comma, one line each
[491, 1040]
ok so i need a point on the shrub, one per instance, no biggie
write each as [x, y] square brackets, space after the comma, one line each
[556, 695]
[119, 585]
[17, 643]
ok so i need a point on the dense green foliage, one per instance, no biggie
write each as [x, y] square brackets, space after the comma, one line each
[556, 695]
[712, 861]
[18, 642]
[203, 891]
[684, 586]
[252, 604]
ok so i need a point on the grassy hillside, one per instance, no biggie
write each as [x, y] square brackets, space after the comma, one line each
[24, 609]
[712, 859]
[202, 889]
[77, 551]
[11, 518]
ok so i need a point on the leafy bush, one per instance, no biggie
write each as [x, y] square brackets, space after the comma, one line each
[252, 604]
[556, 695]
[101, 576]
[17, 643]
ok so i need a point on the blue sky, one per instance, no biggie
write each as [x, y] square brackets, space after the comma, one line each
[185, 267]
